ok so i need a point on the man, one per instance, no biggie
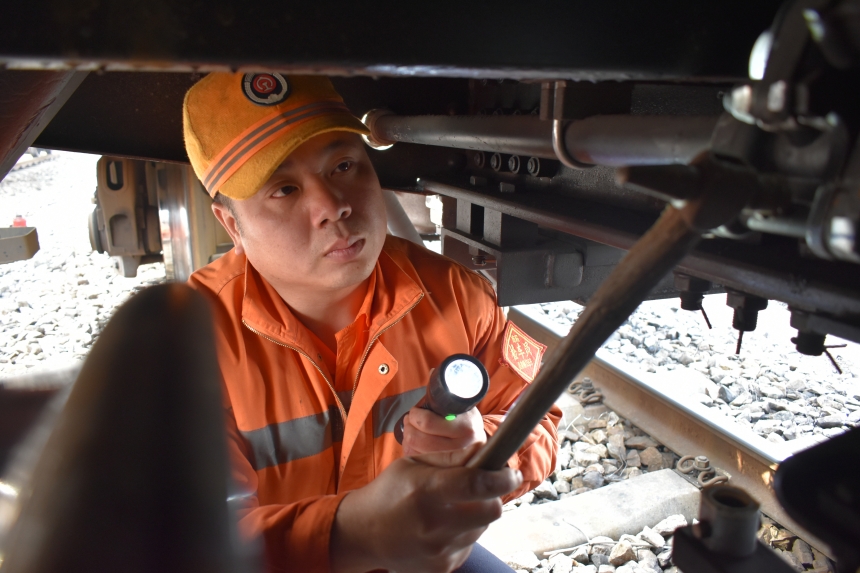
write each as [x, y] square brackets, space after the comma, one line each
[327, 330]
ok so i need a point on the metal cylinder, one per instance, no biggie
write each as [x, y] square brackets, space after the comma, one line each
[612, 140]
[729, 520]
[618, 140]
[786, 226]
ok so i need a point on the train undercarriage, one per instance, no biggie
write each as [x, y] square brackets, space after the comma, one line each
[604, 155]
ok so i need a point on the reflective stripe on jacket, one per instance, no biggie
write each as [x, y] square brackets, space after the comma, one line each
[300, 440]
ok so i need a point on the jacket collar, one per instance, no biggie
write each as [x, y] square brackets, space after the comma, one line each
[391, 294]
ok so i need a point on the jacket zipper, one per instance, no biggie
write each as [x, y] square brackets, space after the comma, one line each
[378, 334]
[340, 407]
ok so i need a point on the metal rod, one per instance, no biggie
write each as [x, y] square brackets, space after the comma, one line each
[135, 473]
[613, 140]
[656, 253]
[786, 226]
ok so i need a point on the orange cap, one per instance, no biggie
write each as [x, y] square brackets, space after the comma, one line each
[240, 127]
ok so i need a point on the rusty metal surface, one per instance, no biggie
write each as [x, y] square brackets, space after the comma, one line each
[681, 429]
[28, 102]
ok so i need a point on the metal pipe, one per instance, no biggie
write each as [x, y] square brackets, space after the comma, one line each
[656, 253]
[731, 517]
[612, 140]
[786, 226]
[513, 134]
[618, 140]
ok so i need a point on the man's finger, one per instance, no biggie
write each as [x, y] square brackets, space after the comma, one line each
[448, 458]
[459, 484]
[465, 517]
[431, 423]
[422, 443]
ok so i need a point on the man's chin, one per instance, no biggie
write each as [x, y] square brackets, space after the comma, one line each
[347, 275]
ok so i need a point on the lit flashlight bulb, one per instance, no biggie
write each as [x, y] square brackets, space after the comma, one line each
[455, 387]
[463, 379]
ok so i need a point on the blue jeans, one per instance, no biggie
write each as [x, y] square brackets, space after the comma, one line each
[482, 561]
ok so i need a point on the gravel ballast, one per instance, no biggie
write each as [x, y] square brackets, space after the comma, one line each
[769, 387]
[54, 305]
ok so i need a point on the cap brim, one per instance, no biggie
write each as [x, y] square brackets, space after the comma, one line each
[249, 178]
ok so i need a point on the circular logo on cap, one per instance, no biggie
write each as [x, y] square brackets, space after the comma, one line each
[265, 89]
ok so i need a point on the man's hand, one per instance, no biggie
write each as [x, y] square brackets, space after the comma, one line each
[421, 515]
[425, 431]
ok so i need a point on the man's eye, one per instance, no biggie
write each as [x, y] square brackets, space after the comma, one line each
[344, 166]
[284, 191]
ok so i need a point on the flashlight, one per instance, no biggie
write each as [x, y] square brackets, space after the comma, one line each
[456, 386]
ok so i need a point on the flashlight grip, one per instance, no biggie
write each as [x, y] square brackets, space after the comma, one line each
[440, 400]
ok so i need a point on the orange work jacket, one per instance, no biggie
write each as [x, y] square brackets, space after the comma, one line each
[301, 437]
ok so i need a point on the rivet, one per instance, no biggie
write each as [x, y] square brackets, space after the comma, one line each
[383, 369]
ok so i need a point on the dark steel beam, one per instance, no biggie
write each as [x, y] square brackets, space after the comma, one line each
[613, 140]
[582, 40]
[773, 269]
[29, 100]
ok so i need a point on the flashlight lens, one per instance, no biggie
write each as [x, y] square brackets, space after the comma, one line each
[463, 379]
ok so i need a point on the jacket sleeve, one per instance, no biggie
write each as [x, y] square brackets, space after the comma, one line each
[295, 535]
[536, 459]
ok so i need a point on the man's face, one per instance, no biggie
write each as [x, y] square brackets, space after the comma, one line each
[318, 224]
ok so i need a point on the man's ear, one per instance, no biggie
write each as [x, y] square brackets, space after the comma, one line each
[230, 224]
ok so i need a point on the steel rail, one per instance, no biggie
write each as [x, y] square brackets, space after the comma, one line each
[612, 140]
[750, 461]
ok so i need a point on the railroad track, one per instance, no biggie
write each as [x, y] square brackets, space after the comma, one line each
[34, 161]
[682, 425]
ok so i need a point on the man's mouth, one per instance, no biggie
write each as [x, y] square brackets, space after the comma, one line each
[346, 249]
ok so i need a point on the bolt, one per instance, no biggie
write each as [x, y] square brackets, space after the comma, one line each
[692, 291]
[809, 343]
[514, 164]
[476, 181]
[479, 159]
[746, 307]
[496, 162]
[483, 260]
[702, 463]
[533, 166]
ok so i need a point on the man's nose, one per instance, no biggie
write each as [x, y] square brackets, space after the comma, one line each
[328, 203]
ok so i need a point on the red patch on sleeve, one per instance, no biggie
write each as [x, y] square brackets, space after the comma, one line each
[521, 353]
